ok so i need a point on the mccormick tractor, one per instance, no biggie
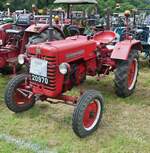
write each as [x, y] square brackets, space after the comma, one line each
[55, 67]
[15, 40]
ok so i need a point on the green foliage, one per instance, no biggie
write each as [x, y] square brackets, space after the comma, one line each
[102, 4]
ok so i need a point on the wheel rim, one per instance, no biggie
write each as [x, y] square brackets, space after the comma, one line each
[132, 75]
[91, 115]
[22, 95]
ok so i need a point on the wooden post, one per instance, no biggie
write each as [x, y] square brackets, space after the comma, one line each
[68, 11]
[108, 18]
[50, 26]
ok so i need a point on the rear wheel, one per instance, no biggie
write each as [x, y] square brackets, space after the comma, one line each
[126, 75]
[88, 113]
[18, 95]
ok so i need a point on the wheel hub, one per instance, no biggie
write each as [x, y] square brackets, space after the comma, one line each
[91, 114]
[22, 95]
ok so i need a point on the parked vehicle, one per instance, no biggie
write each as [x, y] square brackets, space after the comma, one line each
[140, 30]
[14, 41]
[57, 66]
[79, 21]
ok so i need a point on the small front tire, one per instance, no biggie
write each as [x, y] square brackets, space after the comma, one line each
[16, 90]
[88, 113]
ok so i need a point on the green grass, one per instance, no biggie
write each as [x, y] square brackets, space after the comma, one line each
[10, 148]
[125, 126]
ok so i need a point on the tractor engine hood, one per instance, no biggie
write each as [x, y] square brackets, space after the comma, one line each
[68, 50]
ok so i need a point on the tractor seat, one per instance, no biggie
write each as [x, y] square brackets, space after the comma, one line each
[14, 31]
[104, 37]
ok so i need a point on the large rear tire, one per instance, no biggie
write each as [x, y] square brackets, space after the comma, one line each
[18, 96]
[88, 113]
[126, 75]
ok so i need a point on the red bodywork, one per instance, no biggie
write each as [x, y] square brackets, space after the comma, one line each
[76, 48]
[84, 56]
[37, 28]
[6, 54]
[7, 51]
[11, 48]
[3, 35]
[123, 48]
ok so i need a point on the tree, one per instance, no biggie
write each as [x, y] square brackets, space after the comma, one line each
[102, 4]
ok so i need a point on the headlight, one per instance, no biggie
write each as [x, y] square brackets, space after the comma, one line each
[21, 59]
[64, 68]
[1, 42]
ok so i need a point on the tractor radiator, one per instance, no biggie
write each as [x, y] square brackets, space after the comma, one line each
[51, 72]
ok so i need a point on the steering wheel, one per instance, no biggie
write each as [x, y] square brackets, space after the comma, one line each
[73, 30]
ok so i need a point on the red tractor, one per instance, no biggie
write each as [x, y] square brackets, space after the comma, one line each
[11, 38]
[15, 40]
[57, 66]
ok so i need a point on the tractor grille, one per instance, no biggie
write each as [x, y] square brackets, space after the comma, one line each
[51, 71]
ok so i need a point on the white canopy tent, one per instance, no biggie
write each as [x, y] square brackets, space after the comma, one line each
[75, 2]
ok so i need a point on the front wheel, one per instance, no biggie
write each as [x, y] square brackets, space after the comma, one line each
[18, 95]
[126, 75]
[88, 113]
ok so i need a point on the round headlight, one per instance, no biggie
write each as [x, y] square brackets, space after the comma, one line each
[21, 59]
[63, 68]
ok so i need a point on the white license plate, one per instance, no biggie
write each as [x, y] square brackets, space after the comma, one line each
[38, 67]
[39, 79]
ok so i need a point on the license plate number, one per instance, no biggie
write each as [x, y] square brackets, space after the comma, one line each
[39, 79]
[38, 67]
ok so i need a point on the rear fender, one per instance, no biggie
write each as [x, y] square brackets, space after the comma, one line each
[123, 48]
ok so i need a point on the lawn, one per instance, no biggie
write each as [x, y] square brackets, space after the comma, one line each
[125, 127]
